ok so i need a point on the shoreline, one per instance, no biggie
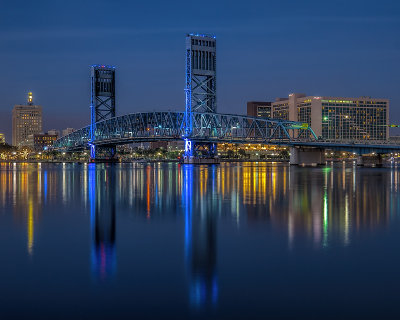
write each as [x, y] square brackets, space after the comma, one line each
[141, 161]
[163, 161]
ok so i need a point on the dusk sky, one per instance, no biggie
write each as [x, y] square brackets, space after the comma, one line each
[265, 49]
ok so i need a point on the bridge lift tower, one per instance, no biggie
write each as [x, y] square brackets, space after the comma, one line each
[201, 89]
[102, 105]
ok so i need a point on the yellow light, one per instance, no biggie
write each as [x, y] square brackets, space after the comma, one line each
[30, 97]
[30, 227]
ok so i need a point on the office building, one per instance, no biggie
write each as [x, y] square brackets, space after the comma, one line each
[67, 131]
[337, 118]
[26, 120]
[2, 139]
[39, 141]
[262, 109]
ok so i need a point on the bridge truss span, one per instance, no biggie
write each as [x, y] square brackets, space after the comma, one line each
[167, 125]
[243, 129]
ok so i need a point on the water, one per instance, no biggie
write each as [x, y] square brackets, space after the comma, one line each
[232, 241]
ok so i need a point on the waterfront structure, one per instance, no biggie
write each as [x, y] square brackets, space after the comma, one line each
[202, 130]
[26, 120]
[67, 131]
[337, 118]
[102, 102]
[2, 139]
[201, 88]
[41, 140]
[261, 109]
[176, 145]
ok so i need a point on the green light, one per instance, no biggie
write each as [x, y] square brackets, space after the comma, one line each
[303, 125]
[325, 219]
[325, 118]
[326, 169]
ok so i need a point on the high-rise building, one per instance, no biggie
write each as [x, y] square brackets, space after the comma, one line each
[337, 118]
[26, 120]
[259, 109]
[67, 131]
[2, 139]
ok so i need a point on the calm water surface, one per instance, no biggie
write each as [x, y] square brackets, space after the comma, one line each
[165, 241]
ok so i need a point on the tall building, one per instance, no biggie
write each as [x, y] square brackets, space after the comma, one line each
[26, 120]
[337, 118]
[2, 139]
[259, 109]
[67, 131]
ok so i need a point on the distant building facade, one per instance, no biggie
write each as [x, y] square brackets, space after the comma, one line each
[40, 141]
[337, 118]
[394, 139]
[26, 120]
[67, 131]
[261, 109]
[54, 132]
[159, 144]
[2, 139]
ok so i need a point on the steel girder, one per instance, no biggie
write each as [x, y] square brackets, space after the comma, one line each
[76, 140]
[235, 128]
[207, 127]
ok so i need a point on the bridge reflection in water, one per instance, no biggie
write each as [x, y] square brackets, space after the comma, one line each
[317, 202]
[102, 189]
[200, 241]
[313, 207]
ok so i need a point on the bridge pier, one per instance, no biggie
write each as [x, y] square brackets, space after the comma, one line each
[307, 156]
[374, 160]
[200, 153]
[102, 154]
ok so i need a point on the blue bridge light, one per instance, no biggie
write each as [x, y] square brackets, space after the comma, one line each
[188, 148]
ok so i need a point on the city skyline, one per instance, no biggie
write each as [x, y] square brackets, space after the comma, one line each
[256, 56]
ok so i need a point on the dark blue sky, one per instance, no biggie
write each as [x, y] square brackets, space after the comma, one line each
[266, 49]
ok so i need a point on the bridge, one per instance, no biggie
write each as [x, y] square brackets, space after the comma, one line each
[171, 126]
[200, 125]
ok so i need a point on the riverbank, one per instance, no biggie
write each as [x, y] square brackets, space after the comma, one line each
[140, 161]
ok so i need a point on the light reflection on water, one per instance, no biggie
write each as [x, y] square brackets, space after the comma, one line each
[313, 207]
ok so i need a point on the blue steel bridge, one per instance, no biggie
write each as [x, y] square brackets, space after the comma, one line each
[207, 128]
[171, 126]
[199, 125]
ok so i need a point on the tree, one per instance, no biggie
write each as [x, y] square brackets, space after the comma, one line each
[242, 153]
[231, 154]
